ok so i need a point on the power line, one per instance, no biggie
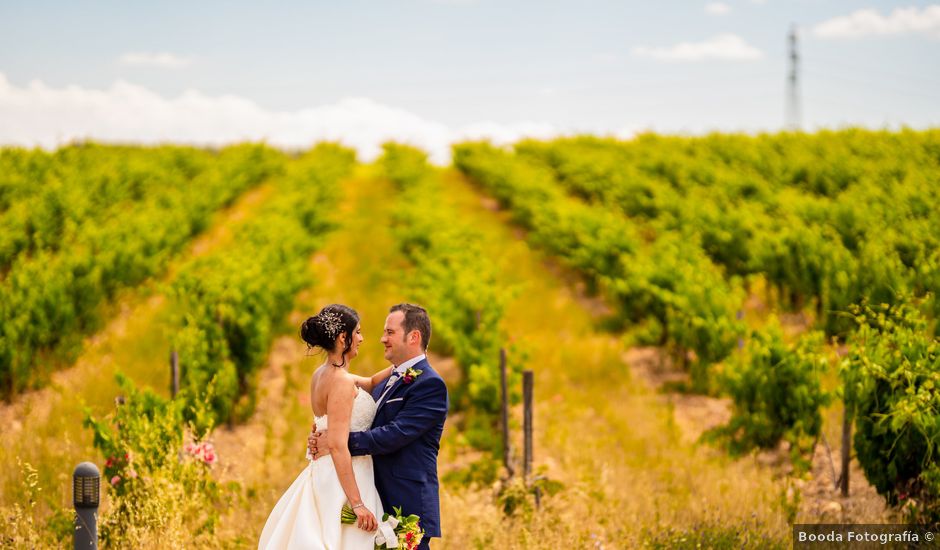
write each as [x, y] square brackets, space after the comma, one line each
[868, 85]
[826, 63]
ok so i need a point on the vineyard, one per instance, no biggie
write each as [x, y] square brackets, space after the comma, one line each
[704, 317]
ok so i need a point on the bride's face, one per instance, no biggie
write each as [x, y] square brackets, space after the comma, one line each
[356, 340]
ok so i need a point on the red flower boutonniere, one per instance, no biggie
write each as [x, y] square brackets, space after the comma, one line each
[411, 375]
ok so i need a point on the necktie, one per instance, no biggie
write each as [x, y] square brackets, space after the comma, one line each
[388, 387]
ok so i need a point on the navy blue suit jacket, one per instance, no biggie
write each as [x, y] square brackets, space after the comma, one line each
[404, 441]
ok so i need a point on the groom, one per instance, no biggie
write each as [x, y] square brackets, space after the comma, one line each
[409, 419]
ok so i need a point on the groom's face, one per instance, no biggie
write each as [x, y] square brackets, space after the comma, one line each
[393, 338]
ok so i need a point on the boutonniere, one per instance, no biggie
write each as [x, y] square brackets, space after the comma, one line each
[411, 375]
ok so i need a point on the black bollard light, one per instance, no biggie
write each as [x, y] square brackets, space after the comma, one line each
[86, 492]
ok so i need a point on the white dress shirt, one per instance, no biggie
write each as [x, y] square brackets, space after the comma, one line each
[400, 369]
[397, 373]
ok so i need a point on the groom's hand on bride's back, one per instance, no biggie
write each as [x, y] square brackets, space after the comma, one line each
[317, 444]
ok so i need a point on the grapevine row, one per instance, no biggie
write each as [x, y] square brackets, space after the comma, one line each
[47, 200]
[51, 298]
[230, 304]
[663, 280]
[834, 218]
[455, 276]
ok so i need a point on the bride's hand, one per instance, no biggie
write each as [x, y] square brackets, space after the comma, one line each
[365, 519]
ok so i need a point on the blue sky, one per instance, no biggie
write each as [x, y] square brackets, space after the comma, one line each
[439, 70]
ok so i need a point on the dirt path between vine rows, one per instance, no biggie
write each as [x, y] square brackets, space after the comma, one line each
[356, 266]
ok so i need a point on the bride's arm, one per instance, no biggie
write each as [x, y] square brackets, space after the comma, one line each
[367, 383]
[339, 404]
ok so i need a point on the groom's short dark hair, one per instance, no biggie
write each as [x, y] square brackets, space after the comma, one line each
[416, 318]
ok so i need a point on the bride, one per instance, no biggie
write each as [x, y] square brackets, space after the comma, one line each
[308, 514]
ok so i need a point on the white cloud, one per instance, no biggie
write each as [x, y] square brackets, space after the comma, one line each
[163, 59]
[723, 46]
[40, 115]
[869, 22]
[717, 8]
[629, 132]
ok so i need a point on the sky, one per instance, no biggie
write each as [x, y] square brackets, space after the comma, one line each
[430, 72]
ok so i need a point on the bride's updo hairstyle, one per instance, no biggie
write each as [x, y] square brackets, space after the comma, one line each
[322, 330]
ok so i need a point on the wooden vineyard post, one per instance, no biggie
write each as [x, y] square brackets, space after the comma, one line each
[527, 423]
[504, 410]
[174, 373]
[528, 383]
[846, 451]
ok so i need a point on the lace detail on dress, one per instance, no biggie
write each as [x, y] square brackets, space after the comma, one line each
[363, 412]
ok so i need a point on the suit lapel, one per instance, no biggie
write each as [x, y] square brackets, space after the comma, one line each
[399, 384]
[396, 388]
[380, 389]
[377, 391]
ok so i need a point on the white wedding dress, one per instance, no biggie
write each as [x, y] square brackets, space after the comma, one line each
[307, 516]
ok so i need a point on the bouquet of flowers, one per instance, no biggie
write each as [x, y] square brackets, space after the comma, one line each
[395, 531]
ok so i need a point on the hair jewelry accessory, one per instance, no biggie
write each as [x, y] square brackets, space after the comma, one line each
[331, 323]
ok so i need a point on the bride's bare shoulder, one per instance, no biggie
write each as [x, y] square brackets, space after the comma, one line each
[325, 380]
[341, 380]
